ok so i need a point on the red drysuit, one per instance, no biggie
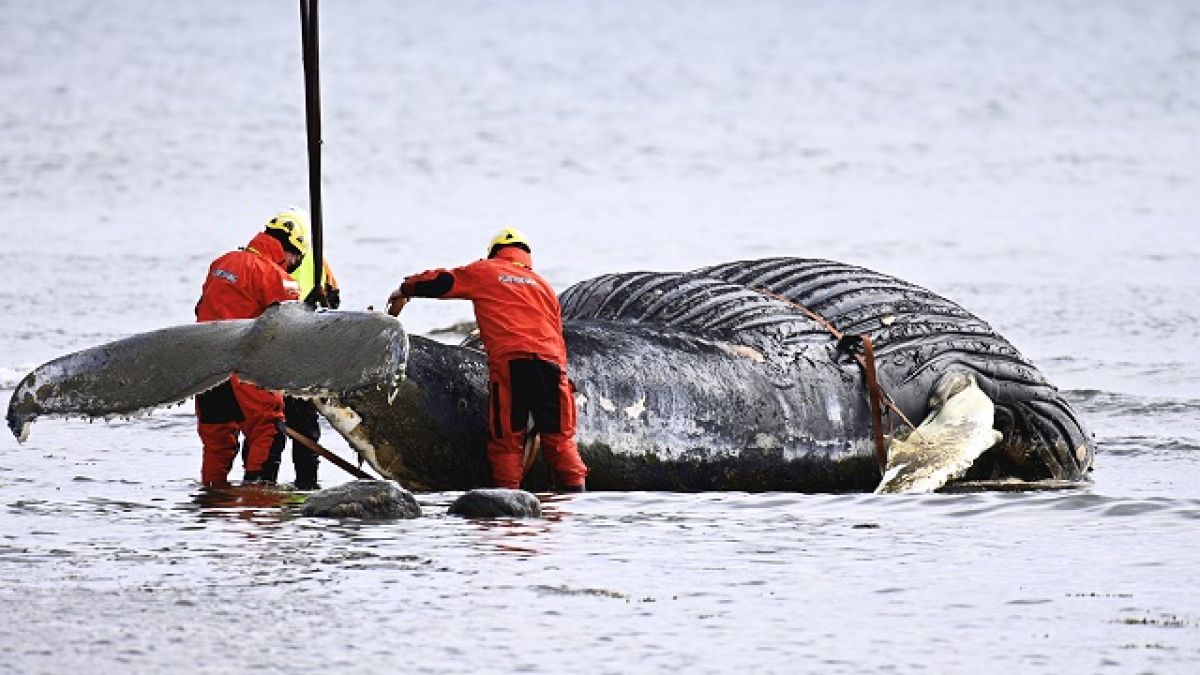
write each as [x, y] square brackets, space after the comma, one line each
[520, 323]
[241, 285]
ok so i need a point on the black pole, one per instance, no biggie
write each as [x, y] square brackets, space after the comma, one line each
[310, 45]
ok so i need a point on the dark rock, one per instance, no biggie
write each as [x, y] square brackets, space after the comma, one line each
[366, 499]
[496, 503]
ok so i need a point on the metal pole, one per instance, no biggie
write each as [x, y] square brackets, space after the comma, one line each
[310, 45]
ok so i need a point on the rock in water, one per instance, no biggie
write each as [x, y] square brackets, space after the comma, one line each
[496, 503]
[366, 499]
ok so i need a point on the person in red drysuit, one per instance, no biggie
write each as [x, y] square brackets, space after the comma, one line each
[520, 323]
[242, 284]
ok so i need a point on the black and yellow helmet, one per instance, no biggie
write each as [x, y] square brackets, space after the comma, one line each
[509, 236]
[290, 226]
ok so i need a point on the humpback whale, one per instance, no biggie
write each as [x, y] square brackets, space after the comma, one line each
[728, 377]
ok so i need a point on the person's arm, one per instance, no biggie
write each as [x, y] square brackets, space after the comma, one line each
[277, 286]
[333, 293]
[431, 284]
[438, 283]
[396, 302]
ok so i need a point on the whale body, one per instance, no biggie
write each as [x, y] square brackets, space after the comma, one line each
[722, 378]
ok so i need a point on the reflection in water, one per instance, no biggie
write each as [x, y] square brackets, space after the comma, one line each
[252, 502]
[518, 536]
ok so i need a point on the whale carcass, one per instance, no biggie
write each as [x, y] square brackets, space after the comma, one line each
[722, 378]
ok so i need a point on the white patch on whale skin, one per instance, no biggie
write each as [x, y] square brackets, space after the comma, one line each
[766, 441]
[401, 373]
[634, 411]
[670, 434]
[833, 409]
[834, 450]
[742, 351]
[944, 446]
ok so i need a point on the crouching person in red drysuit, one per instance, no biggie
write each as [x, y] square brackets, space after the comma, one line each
[520, 323]
[242, 284]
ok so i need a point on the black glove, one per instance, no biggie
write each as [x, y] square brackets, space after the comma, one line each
[315, 298]
[331, 298]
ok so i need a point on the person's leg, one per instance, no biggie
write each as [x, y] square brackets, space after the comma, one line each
[301, 416]
[263, 410]
[554, 416]
[220, 448]
[505, 448]
[217, 418]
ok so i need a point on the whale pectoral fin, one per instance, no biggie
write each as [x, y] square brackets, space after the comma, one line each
[127, 376]
[305, 353]
[945, 445]
[288, 348]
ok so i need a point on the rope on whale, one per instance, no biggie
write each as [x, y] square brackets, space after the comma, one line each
[865, 357]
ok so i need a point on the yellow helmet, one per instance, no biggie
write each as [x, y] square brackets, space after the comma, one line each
[292, 224]
[508, 236]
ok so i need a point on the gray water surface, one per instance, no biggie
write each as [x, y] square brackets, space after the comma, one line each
[112, 555]
[1037, 162]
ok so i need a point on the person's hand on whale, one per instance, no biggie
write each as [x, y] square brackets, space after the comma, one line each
[396, 302]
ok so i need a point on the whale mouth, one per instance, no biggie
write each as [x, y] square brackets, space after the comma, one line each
[970, 438]
[290, 348]
[1043, 441]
